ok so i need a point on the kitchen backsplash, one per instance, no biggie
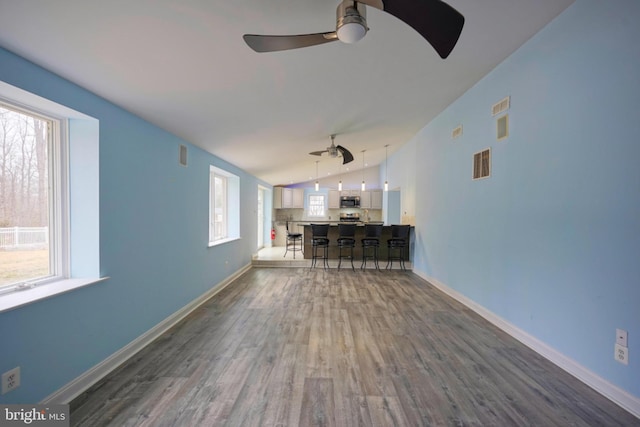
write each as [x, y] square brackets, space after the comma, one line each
[283, 215]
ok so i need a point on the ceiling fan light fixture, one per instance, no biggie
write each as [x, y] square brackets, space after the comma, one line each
[352, 22]
[351, 32]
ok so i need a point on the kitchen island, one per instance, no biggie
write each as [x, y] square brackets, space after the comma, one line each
[357, 251]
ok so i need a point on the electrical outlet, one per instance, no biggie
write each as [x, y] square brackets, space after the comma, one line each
[621, 354]
[11, 380]
[621, 337]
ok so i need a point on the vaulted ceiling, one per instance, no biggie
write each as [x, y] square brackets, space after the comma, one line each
[184, 66]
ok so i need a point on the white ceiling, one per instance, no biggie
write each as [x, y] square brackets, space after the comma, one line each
[184, 66]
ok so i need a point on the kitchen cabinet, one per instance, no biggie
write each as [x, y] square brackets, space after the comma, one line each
[350, 193]
[371, 199]
[334, 199]
[287, 198]
[282, 197]
[298, 198]
[365, 199]
[277, 197]
[376, 199]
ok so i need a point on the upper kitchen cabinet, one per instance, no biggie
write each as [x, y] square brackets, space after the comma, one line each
[365, 199]
[298, 198]
[371, 199]
[334, 199]
[376, 199]
[288, 198]
[350, 193]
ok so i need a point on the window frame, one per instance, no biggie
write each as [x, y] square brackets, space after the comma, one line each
[58, 198]
[481, 165]
[78, 177]
[231, 208]
[310, 213]
[213, 196]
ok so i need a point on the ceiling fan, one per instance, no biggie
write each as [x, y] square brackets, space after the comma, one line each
[436, 21]
[333, 152]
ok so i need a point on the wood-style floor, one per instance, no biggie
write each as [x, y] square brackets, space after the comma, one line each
[301, 347]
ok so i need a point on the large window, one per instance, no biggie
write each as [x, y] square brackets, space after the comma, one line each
[31, 195]
[49, 198]
[224, 215]
[218, 226]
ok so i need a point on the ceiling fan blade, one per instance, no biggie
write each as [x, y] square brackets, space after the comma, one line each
[378, 4]
[436, 21]
[346, 154]
[275, 43]
[318, 153]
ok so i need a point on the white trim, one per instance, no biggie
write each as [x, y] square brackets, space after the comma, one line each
[614, 393]
[90, 377]
[223, 241]
[30, 293]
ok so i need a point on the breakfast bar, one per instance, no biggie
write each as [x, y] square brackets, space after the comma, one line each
[333, 239]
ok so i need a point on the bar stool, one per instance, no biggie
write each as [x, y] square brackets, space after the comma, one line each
[396, 245]
[292, 240]
[319, 240]
[347, 241]
[371, 243]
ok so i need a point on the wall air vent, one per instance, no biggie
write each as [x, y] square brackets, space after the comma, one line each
[482, 164]
[501, 106]
[183, 155]
[502, 127]
[457, 132]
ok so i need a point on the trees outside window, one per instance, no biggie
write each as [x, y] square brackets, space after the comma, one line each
[26, 211]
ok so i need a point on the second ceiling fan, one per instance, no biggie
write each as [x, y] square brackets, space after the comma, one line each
[436, 21]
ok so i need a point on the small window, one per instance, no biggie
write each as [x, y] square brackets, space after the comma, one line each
[224, 206]
[482, 164]
[317, 207]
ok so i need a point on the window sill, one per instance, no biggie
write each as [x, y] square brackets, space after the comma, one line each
[20, 298]
[223, 241]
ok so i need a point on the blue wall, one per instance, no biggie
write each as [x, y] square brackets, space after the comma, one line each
[550, 242]
[153, 244]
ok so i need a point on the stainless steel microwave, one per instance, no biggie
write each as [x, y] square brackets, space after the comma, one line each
[349, 202]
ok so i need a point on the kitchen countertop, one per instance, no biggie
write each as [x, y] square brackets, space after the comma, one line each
[335, 223]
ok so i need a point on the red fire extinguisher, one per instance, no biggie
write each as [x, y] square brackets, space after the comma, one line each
[273, 234]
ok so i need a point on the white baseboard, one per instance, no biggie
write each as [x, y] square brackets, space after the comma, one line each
[82, 383]
[614, 393]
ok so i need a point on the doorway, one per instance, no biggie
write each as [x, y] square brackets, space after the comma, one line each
[261, 216]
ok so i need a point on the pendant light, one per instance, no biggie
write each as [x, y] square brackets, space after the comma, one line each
[340, 173]
[386, 172]
[363, 184]
[317, 183]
